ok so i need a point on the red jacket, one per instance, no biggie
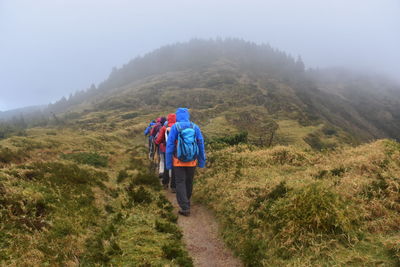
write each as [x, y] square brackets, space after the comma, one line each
[155, 126]
[161, 135]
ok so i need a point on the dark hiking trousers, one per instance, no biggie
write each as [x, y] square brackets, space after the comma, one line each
[169, 175]
[184, 186]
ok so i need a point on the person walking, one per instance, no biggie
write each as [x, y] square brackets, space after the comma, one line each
[160, 159]
[150, 138]
[185, 150]
[169, 175]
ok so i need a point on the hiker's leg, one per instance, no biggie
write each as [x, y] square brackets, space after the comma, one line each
[161, 166]
[150, 148]
[189, 181]
[172, 177]
[165, 180]
[181, 196]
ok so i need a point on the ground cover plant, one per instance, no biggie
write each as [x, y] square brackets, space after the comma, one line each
[292, 206]
[75, 197]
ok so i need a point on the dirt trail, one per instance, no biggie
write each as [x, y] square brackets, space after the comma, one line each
[200, 234]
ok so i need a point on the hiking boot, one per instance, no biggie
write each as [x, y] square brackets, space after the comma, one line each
[173, 190]
[184, 212]
[165, 186]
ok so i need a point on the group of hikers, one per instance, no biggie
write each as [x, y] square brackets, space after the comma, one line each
[177, 146]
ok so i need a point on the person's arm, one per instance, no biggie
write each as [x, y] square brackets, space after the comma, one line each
[201, 158]
[147, 130]
[161, 136]
[173, 135]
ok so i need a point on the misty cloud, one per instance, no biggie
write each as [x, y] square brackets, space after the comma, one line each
[50, 48]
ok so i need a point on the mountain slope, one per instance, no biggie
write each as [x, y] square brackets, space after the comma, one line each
[75, 189]
[222, 80]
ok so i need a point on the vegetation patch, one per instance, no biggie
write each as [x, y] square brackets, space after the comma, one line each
[8, 155]
[129, 115]
[122, 175]
[93, 159]
[276, 213]
[221, 142]
[174, 251]
[56, 213]
[168, 227]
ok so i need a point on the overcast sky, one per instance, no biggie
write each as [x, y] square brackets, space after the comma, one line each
[50, 48]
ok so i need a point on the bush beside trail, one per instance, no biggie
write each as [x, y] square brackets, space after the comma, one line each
[288, 206]
[84, 208]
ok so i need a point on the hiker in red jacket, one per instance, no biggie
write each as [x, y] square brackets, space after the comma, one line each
[161, 154]
[162, 141]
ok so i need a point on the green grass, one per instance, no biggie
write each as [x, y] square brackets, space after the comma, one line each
[93, 159]
[96, 205]
[80, 193]
[292, 206]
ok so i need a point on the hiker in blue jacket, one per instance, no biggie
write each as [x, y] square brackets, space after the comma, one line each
[148, 129]
[184, 170]
[147, 133]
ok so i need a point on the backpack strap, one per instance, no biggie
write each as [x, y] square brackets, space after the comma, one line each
[178, 127]
[166, 134]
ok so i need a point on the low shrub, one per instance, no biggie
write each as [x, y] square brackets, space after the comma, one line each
[377, 189]
[129, 115]
[394, 248]
[93, 159]
[266, 198]
[338, 171]
[221, 142]
[283, 155]
[174, 251]
[321, 174]
[170, 216]
[10, 156]
[168, 227]
[140, 196]
[163, 203]
[122, 175]
[329, 130]
[146, 179]
[315, 142]
[253, 252]
[310, 211]
[60, 173]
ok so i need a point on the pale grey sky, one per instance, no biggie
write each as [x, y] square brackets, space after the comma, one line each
[50, 48]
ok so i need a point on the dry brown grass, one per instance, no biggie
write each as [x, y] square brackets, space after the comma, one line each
[330, 202]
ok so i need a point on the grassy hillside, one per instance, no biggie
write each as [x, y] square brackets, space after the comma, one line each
[290, 206]
[292, 175]
[242, 86]
[78, 195]
[233, 76]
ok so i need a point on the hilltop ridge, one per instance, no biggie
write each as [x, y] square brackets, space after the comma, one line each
[223, 81]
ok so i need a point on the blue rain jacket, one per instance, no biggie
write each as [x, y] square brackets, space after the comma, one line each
[183, 116]
[147, 130]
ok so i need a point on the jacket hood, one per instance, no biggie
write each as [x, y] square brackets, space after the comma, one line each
[171, 119]
[182, 114]
[162, 120]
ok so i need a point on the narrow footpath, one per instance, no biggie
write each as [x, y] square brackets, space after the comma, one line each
[200, 234]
